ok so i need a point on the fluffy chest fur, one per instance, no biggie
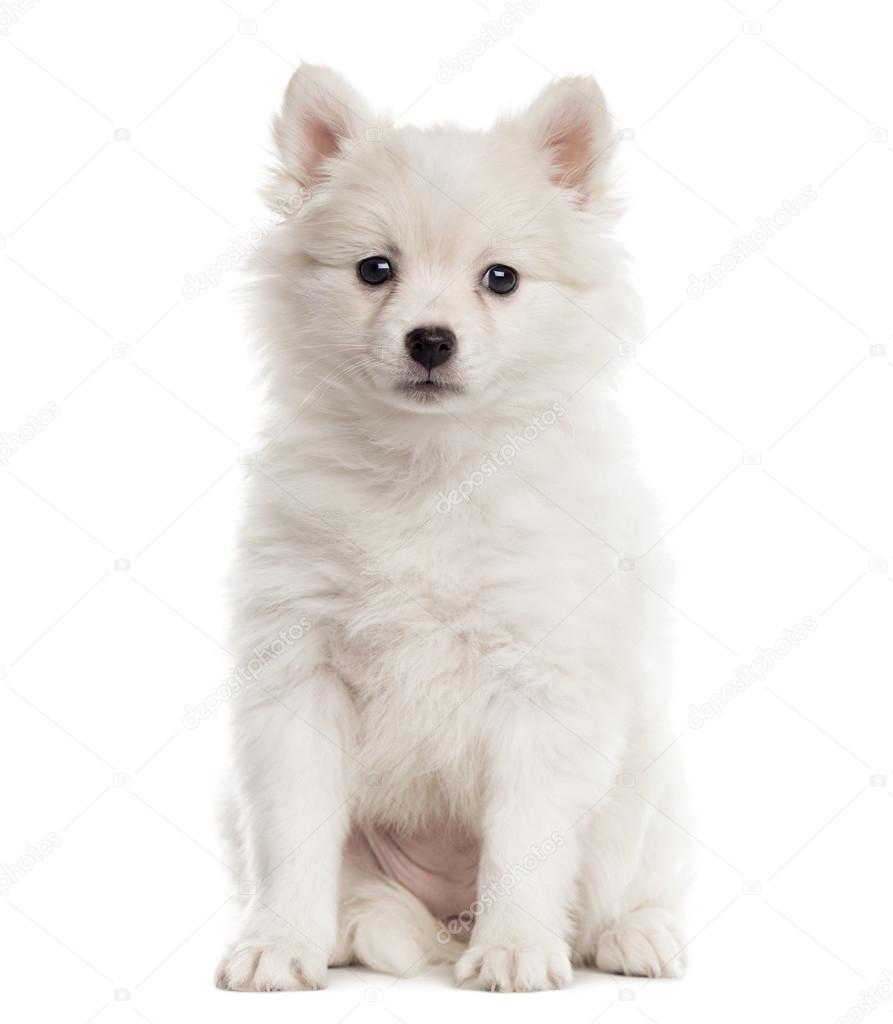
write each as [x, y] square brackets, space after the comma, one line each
[439, 620]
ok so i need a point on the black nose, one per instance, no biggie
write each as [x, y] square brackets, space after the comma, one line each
[431, 346]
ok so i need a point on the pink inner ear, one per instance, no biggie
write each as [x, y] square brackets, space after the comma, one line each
[321, 141]
[571, 143]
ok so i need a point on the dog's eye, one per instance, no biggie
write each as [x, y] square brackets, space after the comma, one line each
[375, 270]
[500, 279]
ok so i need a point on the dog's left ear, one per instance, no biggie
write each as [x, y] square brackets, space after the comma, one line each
[570, 121]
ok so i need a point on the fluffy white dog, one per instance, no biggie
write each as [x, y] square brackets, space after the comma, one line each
[453, 752]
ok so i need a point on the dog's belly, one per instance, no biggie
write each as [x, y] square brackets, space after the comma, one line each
[438, 865]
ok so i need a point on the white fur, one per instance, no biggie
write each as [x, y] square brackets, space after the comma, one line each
[487, 662]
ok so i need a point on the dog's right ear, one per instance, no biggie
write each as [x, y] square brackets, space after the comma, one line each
[322, 115]
[570, 123]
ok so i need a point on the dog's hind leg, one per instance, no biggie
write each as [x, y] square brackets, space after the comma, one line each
[385, 927]
[634, 873]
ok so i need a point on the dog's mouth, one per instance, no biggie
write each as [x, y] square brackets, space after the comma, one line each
[428, 389]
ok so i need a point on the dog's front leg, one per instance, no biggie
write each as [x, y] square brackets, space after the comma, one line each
[529, 856]
[293, 796]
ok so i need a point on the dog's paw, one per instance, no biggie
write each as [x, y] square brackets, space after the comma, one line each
[513, 968]
[643, 943]
[271, 967]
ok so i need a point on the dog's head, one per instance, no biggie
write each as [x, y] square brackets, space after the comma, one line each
[441, 269]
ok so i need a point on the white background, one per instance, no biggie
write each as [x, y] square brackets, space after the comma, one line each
[730, 109]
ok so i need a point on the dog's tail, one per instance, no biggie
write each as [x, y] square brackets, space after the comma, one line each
[386, 928]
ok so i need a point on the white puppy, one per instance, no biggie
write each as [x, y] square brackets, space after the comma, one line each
[447, 756]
